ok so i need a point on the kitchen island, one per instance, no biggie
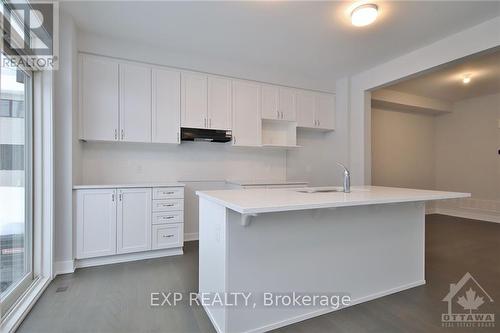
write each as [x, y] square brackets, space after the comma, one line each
[312, 241]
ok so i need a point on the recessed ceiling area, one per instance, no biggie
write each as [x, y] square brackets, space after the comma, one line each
[314, 39]
[447, 83]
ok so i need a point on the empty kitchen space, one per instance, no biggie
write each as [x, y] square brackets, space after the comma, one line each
[250, 166]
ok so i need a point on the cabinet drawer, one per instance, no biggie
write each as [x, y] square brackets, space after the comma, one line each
[166, 205]
[168, 193]
[168, 217]
[168, 235]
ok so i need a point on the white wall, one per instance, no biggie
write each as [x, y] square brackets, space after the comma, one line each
[467, 143]
[64, 102]
[456, 151]
[403, 149]
[476, 39]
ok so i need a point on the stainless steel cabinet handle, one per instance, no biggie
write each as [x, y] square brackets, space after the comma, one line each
[113, 197]
[167, 236]
[167, 217]
[123, 135]
[168, 205]
[116, 134]
[120, 197]
[170, 192]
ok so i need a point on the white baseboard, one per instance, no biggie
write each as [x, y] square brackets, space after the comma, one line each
[64, 267]
[191, 237]
[118, 258]
[320, 312]
[466, 214]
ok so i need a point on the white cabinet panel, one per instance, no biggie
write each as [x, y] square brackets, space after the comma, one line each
[168, 193]
[99, 98]
[219, 103]
[270, 102]
[194, 100]
[168, 217]
[135, 103]
[134, 220]
[166, 106]
[96, 223]
[306, 105]
[168, 205]
[286, 105]
[246, 113]
[325, 111]
[168, 235]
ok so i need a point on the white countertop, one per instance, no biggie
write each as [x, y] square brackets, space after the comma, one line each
[252, 201]
[263, 182]
[134, 185]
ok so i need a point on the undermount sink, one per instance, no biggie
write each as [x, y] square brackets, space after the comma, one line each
[319, 190]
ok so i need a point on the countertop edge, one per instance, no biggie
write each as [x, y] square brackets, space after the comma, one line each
[136, 185]
[296, 207]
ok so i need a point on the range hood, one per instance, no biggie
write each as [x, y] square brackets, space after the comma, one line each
[206, 135]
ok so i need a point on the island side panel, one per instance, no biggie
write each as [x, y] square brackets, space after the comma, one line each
[212, 257]
[366, 251]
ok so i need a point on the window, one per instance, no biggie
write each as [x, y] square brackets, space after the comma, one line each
[16, 164]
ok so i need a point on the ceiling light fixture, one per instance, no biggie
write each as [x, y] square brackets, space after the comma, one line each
[364, 15]
[466, 78]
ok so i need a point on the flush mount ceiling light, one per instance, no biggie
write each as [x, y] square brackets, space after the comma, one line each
[466, 78]
[364, 15]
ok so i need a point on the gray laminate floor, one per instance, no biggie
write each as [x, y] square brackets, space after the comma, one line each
[116, 298]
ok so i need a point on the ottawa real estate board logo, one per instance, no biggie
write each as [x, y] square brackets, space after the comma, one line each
[30, 34]
[468, 305]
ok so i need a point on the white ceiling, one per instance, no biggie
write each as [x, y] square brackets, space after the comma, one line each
[446, 83]
[314, 39]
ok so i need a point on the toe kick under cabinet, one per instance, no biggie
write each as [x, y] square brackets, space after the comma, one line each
[119, 224]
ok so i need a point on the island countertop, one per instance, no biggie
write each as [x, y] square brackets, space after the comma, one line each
[253, 201]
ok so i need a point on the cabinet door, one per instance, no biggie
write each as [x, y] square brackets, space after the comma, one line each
[219, 103]
[306, 109]
[246, 113]
[95, 223]
[194, 100]
[270, 100]
[135, 103]
[166, 106]
[286, 105]
[325, 111]
[134, 220]
[99, 98]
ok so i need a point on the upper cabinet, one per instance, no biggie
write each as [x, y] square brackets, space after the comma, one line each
[278, 103]
[166, 115]
[219, 103]
[135, 103]
[325, 111]
[246, 113]
[99, 101]
[315, 110]
[206, 101]
[194, 100]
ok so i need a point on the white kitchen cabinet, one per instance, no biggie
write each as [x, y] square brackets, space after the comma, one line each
[99, 98]
[96, 223]
[219, 103]
[246, 113]
[286, 105]
[134, 220]
[194, 100]
[306, 106]
[315, 110]
[270, 98]
[166, 95]
[325, 111]
[135, 103]
[278, 103]
[168, 235]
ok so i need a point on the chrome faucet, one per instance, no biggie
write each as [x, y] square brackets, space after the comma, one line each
[347, 178]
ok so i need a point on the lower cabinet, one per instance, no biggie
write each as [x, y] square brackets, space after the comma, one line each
[128, 220]
[134, 220]
[95, 223]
